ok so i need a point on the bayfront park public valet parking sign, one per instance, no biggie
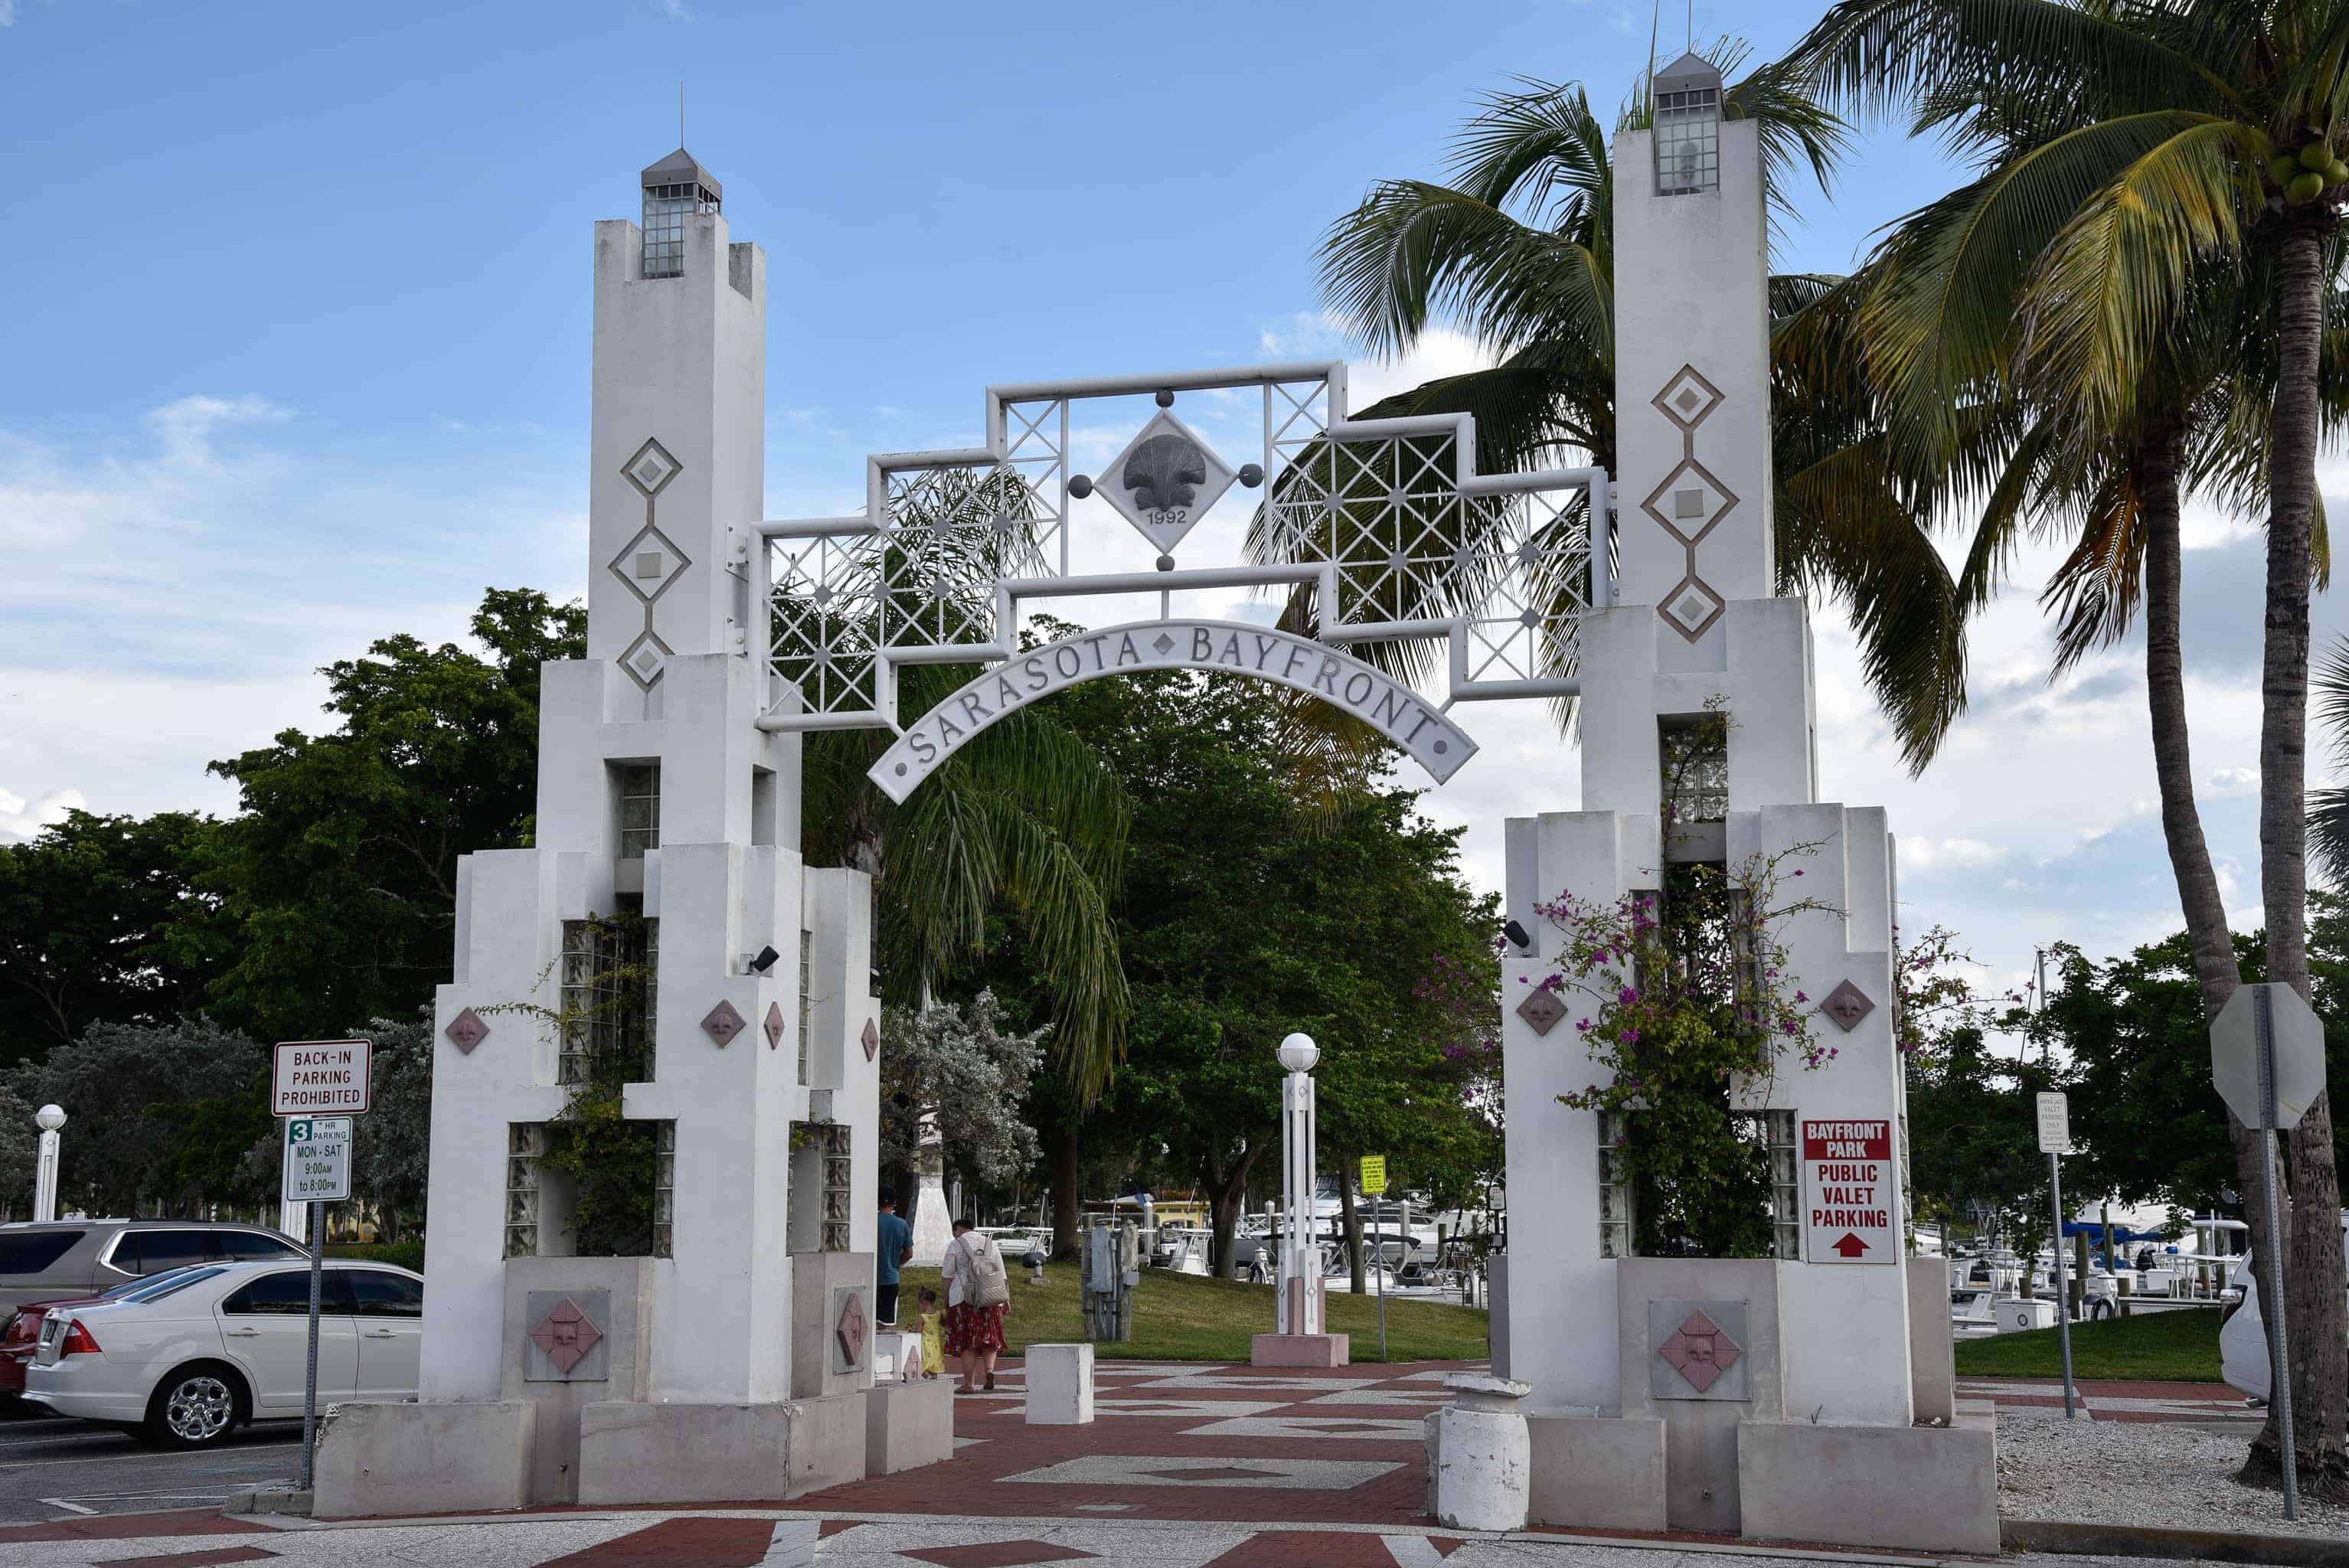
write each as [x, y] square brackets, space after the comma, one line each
[1394, 709]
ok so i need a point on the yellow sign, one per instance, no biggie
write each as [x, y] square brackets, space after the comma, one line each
[1374, 1173]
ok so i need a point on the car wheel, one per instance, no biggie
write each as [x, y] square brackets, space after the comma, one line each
[195, 1407]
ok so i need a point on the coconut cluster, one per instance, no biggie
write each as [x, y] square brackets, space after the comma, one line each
[2309, 174]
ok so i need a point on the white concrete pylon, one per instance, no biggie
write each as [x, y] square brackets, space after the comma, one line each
[933, 1225]
[1299, 1303]
[50, 1120]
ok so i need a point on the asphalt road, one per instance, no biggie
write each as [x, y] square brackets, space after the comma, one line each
[54, 1469]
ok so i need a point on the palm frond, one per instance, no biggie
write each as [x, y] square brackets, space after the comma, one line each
[2108, 290]
[1879, 55]
[1414, 251]
[2328, 807]
[1845, 532]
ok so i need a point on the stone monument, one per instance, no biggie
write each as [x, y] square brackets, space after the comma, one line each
[1804, 1397]
[731, 1359]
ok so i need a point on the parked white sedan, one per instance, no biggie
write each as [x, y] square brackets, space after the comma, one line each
[188, 1357]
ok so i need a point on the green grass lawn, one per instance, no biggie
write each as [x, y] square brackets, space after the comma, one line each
[1184, 1317]
[2169, 1346]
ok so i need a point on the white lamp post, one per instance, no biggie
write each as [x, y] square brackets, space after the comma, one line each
[48, 1119]
[1299, 1310]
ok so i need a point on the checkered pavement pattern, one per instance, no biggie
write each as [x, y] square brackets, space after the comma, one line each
[1185, 1466]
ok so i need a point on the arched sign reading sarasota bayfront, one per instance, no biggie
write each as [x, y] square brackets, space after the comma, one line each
[1394, 709]
[1374, 530]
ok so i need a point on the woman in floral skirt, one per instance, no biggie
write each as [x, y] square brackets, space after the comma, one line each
[979, 1296]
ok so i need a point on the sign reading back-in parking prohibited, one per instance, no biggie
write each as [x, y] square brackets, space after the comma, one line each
[317, 1158]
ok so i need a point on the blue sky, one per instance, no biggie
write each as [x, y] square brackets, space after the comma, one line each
[299, 332]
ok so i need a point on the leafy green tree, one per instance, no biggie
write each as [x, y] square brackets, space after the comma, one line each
[101, 920]
[391, 1157]
[2154, 155]
[960, 1065]
[1021, 821]
[341, 869]
[2132, 1032]
[1973, 1139]
[1242, 920]
[162, 1116]
[1516, 247]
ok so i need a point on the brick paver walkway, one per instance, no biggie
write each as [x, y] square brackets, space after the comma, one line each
[1186, 1466]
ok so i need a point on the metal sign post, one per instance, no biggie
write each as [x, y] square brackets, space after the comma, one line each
[2279, 1339]
[310, 1377]
[1374, 1183]
[2267, 1062]
[317, 1171]
[2055, 1142]
[307, 1076]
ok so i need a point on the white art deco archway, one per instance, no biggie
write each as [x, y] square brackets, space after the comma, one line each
[1258, 481]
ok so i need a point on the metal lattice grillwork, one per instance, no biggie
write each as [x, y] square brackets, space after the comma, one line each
[1380, 531]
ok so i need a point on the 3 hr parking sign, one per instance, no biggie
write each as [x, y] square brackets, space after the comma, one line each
[317, 1158]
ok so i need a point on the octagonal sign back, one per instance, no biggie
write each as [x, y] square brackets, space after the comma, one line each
[1164, 480]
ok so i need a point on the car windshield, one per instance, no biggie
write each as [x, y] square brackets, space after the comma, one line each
[162, 1285]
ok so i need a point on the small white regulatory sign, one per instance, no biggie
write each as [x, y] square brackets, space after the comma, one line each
[317, 1158]
[1850, 1194]
[2054, 1123]
[312, 1078]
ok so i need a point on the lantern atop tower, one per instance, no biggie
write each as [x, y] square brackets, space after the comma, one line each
[1688, 127]
[675, 187]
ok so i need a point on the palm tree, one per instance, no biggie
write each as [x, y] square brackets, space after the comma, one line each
[1024, 821]
[2328, 809]
[1517, 247]
[2141, 272]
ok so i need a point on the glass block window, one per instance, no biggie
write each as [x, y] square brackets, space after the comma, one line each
[665, 209]
[639, 810]
[596, 1011]
[837, 1183]
[1908, 1188]
[1688, 142]
[1785, 1185]
[1694, 762]
[1614, 1187]
[525, 1143]
[807, 975]
[664, 1188]
[1744, 942]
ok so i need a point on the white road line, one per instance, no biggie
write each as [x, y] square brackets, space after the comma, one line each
[68, 1507]
[141, 1454]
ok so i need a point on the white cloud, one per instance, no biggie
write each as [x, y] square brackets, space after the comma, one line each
[7, 12]
[1439, 351]
[21, 819]
[1920, 853]
[2235, 781]
[172, 591]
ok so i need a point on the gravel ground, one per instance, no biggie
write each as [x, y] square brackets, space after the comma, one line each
[2141, 1472]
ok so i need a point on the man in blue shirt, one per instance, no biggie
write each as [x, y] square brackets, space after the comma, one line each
[892, 1247]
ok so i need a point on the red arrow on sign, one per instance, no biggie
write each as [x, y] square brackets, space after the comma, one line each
[1851, 1246]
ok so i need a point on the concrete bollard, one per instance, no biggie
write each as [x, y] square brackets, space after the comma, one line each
[1482, 1454]
[1059, 1385]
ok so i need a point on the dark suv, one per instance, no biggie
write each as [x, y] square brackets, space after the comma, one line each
[41, 1262]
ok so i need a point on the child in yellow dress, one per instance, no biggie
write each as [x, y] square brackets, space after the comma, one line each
[934, 1354]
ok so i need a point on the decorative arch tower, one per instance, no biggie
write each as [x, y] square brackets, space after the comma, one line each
[1798, 1417]
[663, 919]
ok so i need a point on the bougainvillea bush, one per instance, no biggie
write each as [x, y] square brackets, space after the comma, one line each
[1678, 993]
